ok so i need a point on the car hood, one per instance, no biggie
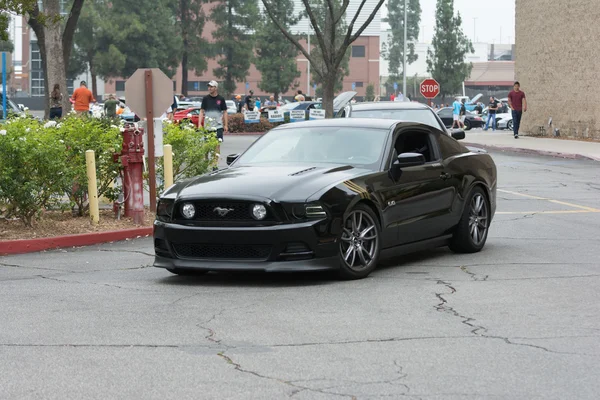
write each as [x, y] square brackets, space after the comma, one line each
[275, 182]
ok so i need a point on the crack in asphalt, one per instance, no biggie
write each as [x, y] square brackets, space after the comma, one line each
[127, 251]
[297, 388]
[211, 332]
[119, 346]
[473, 275]
[40, 268]
[480, 330]
[97, 284]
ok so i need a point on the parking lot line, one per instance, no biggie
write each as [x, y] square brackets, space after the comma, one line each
[547, 212]
[581, 209]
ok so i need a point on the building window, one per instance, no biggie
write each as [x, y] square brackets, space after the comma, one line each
[358, 51]
[359, 84]
[120, 86]
[198, 86]
[36, 73]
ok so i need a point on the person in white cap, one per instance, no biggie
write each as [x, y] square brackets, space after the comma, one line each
[214, 112]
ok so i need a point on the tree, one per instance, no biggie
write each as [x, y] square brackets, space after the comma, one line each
[340, 28]
[370, 92]
[19, 7]
[55, 40]
[195, 48]
[326, 34]
[86, 41]
[275, 58]
[235, 20]
[137, 37]
[446, 62]
[393, 50]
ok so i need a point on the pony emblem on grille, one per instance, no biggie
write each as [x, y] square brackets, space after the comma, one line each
[222, 211]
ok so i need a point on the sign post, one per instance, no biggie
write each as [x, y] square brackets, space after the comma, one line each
[149, 93]
[4, 95]
[430, 89]
[150, 131]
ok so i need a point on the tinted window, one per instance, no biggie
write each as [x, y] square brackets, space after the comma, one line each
[445, 113]
[349, 146]
[449, 146]
[423, 116]
[358, 51]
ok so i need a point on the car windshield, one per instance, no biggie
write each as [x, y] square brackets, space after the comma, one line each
[354, 146]
[414, 115]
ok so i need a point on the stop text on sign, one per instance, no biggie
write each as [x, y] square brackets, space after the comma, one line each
[430, 88]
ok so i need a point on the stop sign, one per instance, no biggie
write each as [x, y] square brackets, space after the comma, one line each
[429, 88]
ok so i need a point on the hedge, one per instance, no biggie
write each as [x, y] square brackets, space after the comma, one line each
[42, 165]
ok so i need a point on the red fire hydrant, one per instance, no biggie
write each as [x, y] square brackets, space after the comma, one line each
[132, 158]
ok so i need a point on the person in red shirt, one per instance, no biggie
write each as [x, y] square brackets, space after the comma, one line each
[82, 97]
[518, 104]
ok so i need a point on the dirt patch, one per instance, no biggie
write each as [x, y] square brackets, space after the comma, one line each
[56, 223]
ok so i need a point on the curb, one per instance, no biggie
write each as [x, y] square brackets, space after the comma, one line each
[22, 246]
[532, 151]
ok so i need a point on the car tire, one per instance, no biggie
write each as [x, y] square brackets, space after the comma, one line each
[472, 229]
[359, 243]
[509, 125]
[467, 125]
[186, 272]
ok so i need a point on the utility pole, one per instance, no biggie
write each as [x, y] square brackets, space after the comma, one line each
[404, 62]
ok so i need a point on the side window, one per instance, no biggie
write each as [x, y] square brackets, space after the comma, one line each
[449, 146]
[415, 142]
[445, 113]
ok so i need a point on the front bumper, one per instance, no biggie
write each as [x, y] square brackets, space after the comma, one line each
[291, 247]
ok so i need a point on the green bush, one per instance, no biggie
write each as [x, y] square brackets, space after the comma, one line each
[104, 138]
[194, 151]
[33, 169]
[43, 165]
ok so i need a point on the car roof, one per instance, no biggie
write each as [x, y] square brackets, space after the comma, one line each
[389, 105]
[344, 122]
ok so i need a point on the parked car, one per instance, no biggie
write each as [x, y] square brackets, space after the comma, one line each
[191, 114]
[333, 194]
[471, 119]
[231, 107]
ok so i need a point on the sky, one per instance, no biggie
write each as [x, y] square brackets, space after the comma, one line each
[492, 19]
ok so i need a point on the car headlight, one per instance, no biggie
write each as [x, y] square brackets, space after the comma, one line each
[188, 210]
[164, 208]
[259, 211]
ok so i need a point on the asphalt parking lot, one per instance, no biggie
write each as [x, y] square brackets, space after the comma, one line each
[520, 320]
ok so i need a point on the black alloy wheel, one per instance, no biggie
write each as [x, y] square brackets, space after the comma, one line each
[360, 243]
[468, 125]
[472, 230]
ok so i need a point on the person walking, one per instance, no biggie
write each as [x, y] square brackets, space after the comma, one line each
[456, 106]
[110, 107]
[249, 101]
[518, 104]
[213, 111]
[492, 109]
[82, 98]
[56, 103]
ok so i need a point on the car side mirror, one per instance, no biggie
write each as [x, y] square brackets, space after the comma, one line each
[231, 158]
[405, 160]
[458, 134]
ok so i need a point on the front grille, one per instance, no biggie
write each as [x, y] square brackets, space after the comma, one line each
[223, 251]
[225, 211]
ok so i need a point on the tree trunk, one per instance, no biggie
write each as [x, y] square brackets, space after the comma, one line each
[184, 58]
[55, 65]
[328, 93]
[184, 71]
[93, 74]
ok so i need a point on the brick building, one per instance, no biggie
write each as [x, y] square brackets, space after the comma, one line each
[557, 64]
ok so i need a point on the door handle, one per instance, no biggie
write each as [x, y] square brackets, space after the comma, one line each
[445, 176]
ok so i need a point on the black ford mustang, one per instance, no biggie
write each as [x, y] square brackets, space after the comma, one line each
[331, 194]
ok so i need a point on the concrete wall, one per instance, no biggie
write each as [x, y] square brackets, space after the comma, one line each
[558, 63]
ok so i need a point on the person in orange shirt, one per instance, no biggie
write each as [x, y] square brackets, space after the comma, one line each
[82, 97]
